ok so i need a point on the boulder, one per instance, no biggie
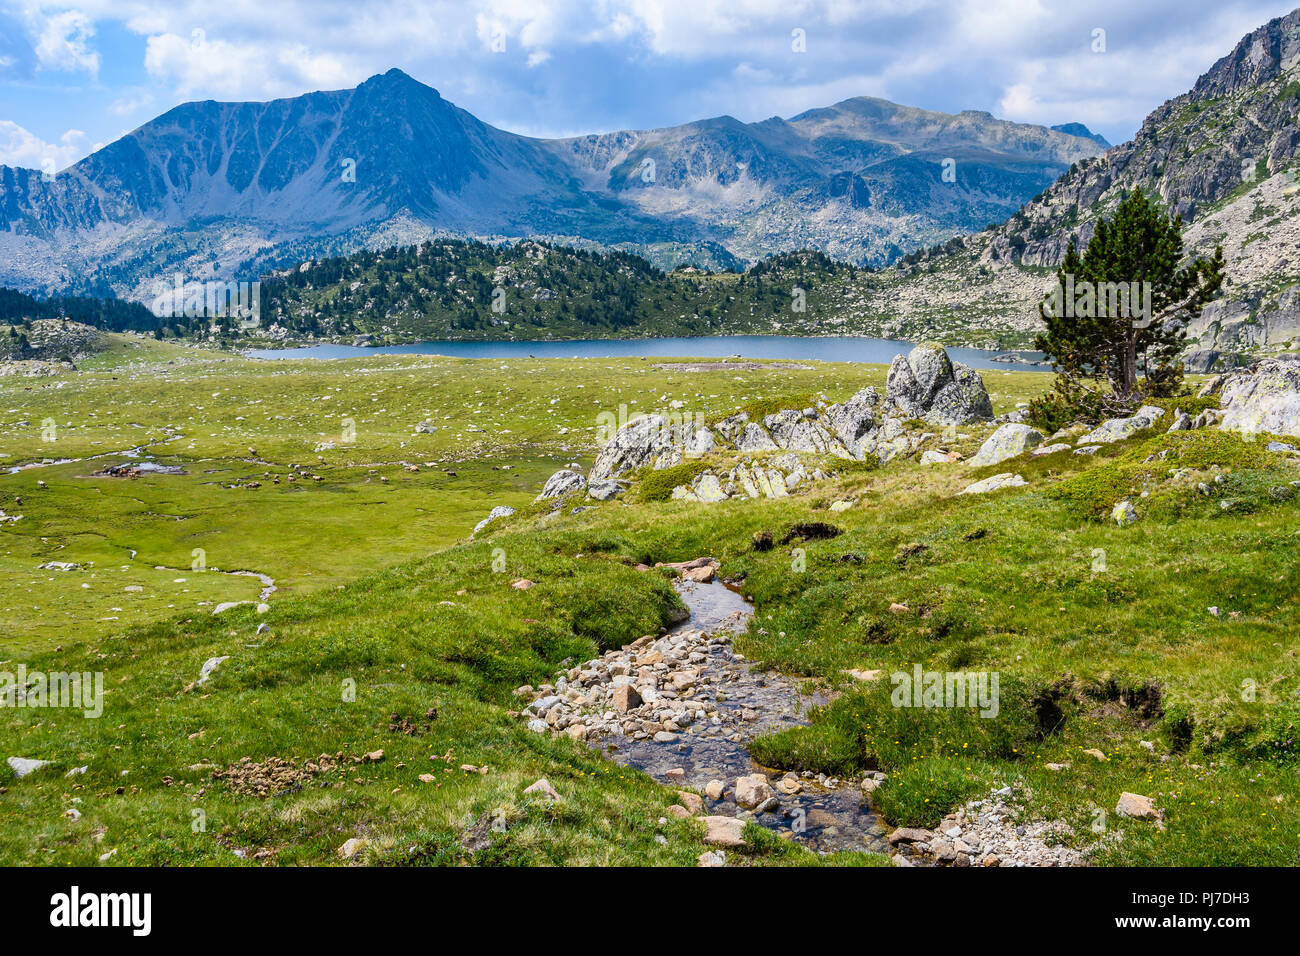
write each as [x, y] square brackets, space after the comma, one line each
[22, 766]
[927, 384]
[1136, 806]
[752, 438]
[794, 431]
[1118, 429]
[1051, 449]
[708, 489]
[500, 511]
[604, 490]
[1264, 398]
[1005, 480]
[1008, 441]
[563, 482]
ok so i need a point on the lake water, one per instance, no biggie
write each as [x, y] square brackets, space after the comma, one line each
[795, 348]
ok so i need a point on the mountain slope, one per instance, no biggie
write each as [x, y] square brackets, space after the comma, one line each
[1223, 156]
[226, 190]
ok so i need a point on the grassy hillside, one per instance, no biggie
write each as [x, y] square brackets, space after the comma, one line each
[393, 632]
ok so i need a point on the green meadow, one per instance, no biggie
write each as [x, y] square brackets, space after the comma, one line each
[390, 630]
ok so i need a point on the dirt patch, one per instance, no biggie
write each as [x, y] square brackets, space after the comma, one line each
[278, 775]
[811, 531]
[725, 366]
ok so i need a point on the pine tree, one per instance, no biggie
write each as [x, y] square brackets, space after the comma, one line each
[1094, 335]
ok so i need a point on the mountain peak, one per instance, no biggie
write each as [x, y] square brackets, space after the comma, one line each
[396, 80]
[1078, 129]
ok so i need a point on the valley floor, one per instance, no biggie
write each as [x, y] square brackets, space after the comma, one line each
[369, 714]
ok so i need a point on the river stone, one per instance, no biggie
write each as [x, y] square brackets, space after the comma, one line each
[604, 490]
[1008, 441]
[500, 511]
[724, 831]
[753, 790]
[1118, 429]
[1004, 480]
[562, 483]
[1266, 398]
[927, 384]
[22, 766]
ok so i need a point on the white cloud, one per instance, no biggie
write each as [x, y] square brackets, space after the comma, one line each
[63, 43]
[18, 147]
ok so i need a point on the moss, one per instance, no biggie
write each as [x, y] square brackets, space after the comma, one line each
[1093, 493]
[658, 485]
[762, 407]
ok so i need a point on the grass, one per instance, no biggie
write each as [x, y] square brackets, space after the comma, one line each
[1101, 636]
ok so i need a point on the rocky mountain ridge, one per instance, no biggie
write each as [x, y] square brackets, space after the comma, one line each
[226, 190]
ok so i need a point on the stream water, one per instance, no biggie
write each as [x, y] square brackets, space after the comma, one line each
[821, 818]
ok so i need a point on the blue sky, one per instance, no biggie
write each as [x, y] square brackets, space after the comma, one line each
[76, 76]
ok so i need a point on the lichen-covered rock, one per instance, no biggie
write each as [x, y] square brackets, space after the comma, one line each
[1265, 398]
[708, 489]
[927, 384]
[1008, 441]
[563, 482]
[1124, 513]
[1118, 429]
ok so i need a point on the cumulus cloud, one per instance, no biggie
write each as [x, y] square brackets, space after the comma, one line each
[63, 43]
[18, 147]
[633, 63]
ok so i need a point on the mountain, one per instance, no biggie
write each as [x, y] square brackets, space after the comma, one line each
[1078, 129]
[1224, 156]
[227, 190]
